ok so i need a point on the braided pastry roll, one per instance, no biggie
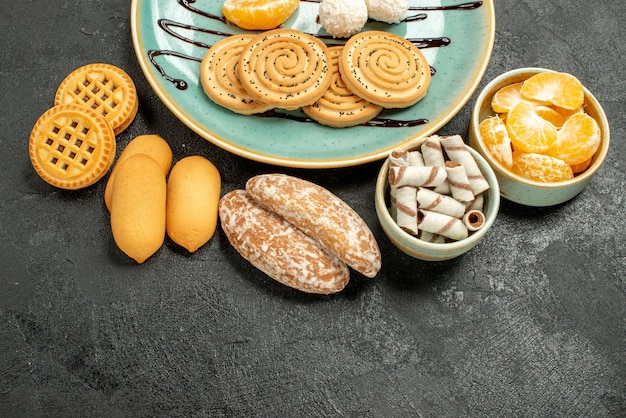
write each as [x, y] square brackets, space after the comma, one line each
[430, 200]
[434, 156]
[440, 224]
[457, 151]
[406, 204]
[417, 176]
[460, 187]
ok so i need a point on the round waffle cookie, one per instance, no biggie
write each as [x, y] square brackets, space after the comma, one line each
[71, 146]
[339, 107]
[385, 69]
[104, 88]
[219, 79]
[285, 68]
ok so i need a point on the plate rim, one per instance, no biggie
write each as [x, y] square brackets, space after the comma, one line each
[291, 162]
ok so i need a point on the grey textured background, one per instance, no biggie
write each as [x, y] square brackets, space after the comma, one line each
[530, 323]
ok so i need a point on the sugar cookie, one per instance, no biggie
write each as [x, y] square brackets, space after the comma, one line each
[71, 146]
[385, 69]
[285, 68]
[219, 79]
[104, 88]
[339, 107]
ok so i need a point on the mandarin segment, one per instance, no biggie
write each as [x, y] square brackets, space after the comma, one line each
[561, 89]
[507, 97]
[579, 168]
[541, 168]
[551, 115]
[566, 113]
[529, 132]
[496, 139]
[259, 14]
[577, 140]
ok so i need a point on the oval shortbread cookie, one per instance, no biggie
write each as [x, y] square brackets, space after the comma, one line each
[322, 216]
[385, 69]
[278, 248]
[285, 68]
[153, 146]
[339, 107]
[71, 146]
[104, 88]
[219, 79]
[138, 207]
[193, 192]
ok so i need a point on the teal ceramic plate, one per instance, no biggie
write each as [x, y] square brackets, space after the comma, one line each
[171, 37]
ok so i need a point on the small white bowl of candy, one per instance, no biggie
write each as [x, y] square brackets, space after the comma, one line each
[436, 197]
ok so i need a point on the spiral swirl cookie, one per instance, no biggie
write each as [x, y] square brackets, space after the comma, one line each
[339, 107]
[285, 68]
[219, 79]
[385, 69]
[104, 88]
[71, 146]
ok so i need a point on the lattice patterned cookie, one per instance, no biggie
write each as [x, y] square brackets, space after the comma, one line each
[104, 88]
[72, 146]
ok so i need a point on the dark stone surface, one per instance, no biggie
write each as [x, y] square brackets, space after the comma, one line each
[529, 323]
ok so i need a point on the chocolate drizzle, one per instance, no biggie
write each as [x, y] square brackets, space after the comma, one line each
[416, 18]
[187, 5]
[376, 122]
[178, 83]
[171, 27]
[470, 5]
[167, 25]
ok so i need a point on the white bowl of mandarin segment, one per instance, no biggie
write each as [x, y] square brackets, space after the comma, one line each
[531, 172]
[419, 245]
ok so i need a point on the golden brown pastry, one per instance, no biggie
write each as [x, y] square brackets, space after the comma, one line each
[153, 146]
[278, 248]
[322, 216]
[193, 193]
[138, 207]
